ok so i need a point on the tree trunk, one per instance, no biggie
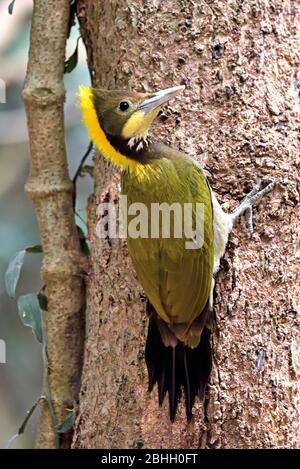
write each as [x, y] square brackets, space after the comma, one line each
[51, 190]
[240, 117]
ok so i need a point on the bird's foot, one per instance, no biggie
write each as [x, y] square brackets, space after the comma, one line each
[260, 189]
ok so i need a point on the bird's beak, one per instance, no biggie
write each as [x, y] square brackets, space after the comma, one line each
[158, 99]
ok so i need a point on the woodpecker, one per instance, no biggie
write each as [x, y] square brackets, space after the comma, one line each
[178, 282]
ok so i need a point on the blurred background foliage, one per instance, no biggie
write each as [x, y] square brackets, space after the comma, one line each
[21, 375]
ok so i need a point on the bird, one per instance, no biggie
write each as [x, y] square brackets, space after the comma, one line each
[178, 281]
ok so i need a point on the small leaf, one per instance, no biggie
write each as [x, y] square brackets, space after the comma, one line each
[83, 242]
[85, 247]
[28, 415]
[87, 169]
[13, 272]
[80, 231]
[30, 314]
[11, 441]
[43, 301]
[67, 424]
[34, 249]
[11, 7]
[72, 61]
[23, 425]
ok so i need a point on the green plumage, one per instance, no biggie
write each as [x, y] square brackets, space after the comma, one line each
[176, 280]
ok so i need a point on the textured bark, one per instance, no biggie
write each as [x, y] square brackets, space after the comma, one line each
[240, 117]
[51, 190]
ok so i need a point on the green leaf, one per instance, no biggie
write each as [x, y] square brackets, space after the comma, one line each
[67, 424]
[43, 301]
[11, 7]
[28, 415]
[24, 423]
[72, 61]
[30, 314]
[85, 247]
[34, 249]
[83, 242]
[13, 272]
[80, 231]
[15, 265]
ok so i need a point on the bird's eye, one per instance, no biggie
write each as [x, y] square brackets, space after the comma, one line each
[124, 105]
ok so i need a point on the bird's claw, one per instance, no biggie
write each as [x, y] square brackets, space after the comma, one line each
[249, 221]
[260, 189]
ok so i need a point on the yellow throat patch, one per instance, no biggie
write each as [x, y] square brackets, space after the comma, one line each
[97, 135]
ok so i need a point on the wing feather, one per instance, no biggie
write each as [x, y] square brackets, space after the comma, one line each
[177, 280]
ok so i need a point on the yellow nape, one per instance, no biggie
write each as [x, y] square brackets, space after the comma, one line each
[98, 136]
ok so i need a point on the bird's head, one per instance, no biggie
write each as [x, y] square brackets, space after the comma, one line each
[118, 121]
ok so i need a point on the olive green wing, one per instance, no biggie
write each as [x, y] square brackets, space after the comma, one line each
[186, 283]
[178, 280]
[145, 257]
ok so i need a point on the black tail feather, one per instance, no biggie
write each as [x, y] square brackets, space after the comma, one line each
[176, 368]
[187, 387]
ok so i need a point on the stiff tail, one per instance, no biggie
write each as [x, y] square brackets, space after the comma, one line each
[174, 368]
